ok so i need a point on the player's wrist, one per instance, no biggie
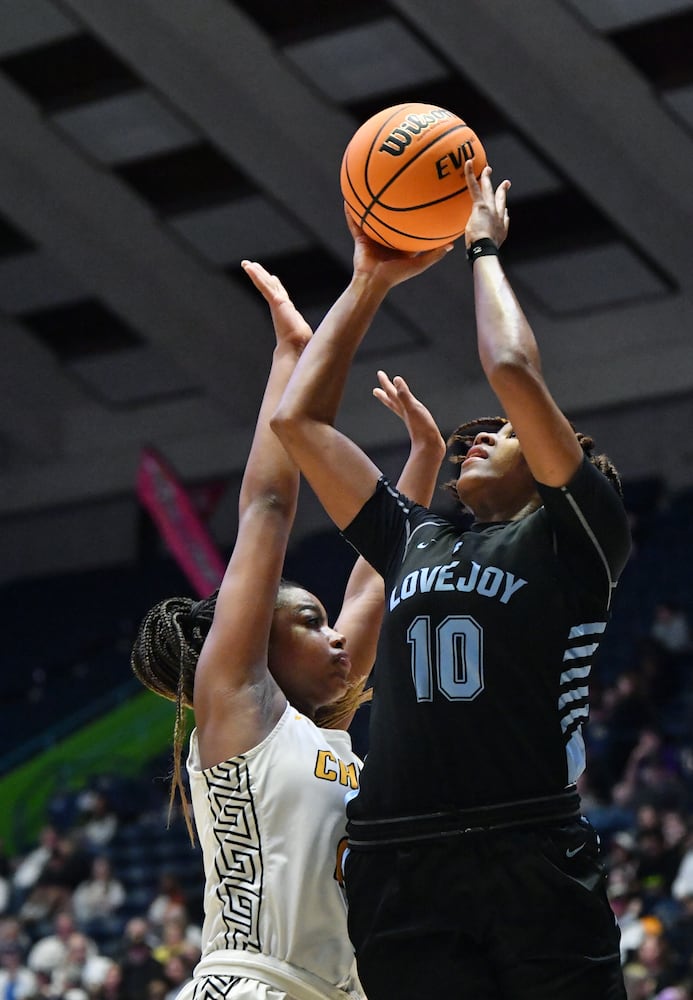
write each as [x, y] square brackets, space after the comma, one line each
[484, 246]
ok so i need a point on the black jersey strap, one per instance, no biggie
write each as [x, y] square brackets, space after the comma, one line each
[433, 826]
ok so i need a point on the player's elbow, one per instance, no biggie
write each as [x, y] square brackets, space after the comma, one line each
[288, 424]
[510, 369]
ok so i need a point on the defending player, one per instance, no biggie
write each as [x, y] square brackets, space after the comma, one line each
[261, 666]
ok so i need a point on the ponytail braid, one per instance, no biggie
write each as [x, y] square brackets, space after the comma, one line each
[164, 659]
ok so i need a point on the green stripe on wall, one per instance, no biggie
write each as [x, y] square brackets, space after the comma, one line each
[118, 743]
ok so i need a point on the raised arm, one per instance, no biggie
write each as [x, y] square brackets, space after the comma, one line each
[362, 609]
[508, 350]
[339, 472]
[236, 700]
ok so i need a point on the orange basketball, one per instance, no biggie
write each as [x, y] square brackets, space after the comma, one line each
[402, 176]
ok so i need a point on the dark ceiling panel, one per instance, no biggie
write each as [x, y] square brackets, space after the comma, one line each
[186, 179]
[80, 330]
[298, 20]
[69, 72]
[12, 241]
[661, 49]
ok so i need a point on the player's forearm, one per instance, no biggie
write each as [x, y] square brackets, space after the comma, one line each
[316, 389]
[419, 476]
[270, 473]
[504, 337]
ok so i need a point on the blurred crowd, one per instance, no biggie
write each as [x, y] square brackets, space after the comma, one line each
[71, 928]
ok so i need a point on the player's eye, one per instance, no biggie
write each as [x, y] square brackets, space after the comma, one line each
[312, 621]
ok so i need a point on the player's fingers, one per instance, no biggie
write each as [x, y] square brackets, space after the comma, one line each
[401, 388]
[408, 402]
[486, 184]
[270, 286]
[387, 392]
[501, 198]
[389, 401]
[472, 182]
[353, 228]
[385, 381]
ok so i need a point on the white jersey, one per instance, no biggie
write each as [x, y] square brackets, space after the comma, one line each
[271, 823]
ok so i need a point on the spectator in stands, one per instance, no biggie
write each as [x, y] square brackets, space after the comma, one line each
[135, 958]
[682, 886]
[12, 932]
[79, 965]
[173, 939]
[158, 990]
[655, 867]
[682, 991]
[106, 983]
[66, 866]
[50, 951]
[680, 934]
[625, 712]
[178, 971]
[170, 901]
[670, 627]
[655, 954]
[29, 868]
[97, 900]
[652, 775]
[622, 859]
[98, 820]
[17, 981]
[640, 984]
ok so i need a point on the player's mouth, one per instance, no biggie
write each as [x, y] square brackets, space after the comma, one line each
[476, 451]
[342, 662]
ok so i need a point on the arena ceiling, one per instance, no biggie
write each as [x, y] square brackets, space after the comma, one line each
[149, 145]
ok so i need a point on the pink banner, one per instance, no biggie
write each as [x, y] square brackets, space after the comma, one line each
[180, 525]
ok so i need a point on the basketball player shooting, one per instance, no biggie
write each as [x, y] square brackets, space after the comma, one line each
[471, 871]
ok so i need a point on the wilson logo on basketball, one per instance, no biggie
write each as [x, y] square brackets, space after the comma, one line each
[400, 137]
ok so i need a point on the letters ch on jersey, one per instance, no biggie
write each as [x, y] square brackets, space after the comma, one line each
[489, 581]
[329, 767]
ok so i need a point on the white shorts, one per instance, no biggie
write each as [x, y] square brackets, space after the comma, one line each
[230, 988]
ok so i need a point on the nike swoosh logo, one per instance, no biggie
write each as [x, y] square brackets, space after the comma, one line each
[576, 850]
[422, 545]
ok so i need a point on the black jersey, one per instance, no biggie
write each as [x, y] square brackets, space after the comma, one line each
[481, 681]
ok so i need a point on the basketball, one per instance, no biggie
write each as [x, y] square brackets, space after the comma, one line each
[402, 176]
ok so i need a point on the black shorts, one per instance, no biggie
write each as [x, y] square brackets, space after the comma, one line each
[518, 914]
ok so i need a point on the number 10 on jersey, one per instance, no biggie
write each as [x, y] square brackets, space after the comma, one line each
[451, 658]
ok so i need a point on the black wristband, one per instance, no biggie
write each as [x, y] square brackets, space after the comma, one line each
[484, 247]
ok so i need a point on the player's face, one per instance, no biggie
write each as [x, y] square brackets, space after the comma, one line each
[307, 657]
[494, 476]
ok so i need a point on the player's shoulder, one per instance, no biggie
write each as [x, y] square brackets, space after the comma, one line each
[430, 531]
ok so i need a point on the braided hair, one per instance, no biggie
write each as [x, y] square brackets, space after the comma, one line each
[164, 659]
[461, 440]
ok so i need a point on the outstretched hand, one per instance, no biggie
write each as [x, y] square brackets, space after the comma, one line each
[289, 325]
[489, 216]
[396, 395]
[391, 266]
